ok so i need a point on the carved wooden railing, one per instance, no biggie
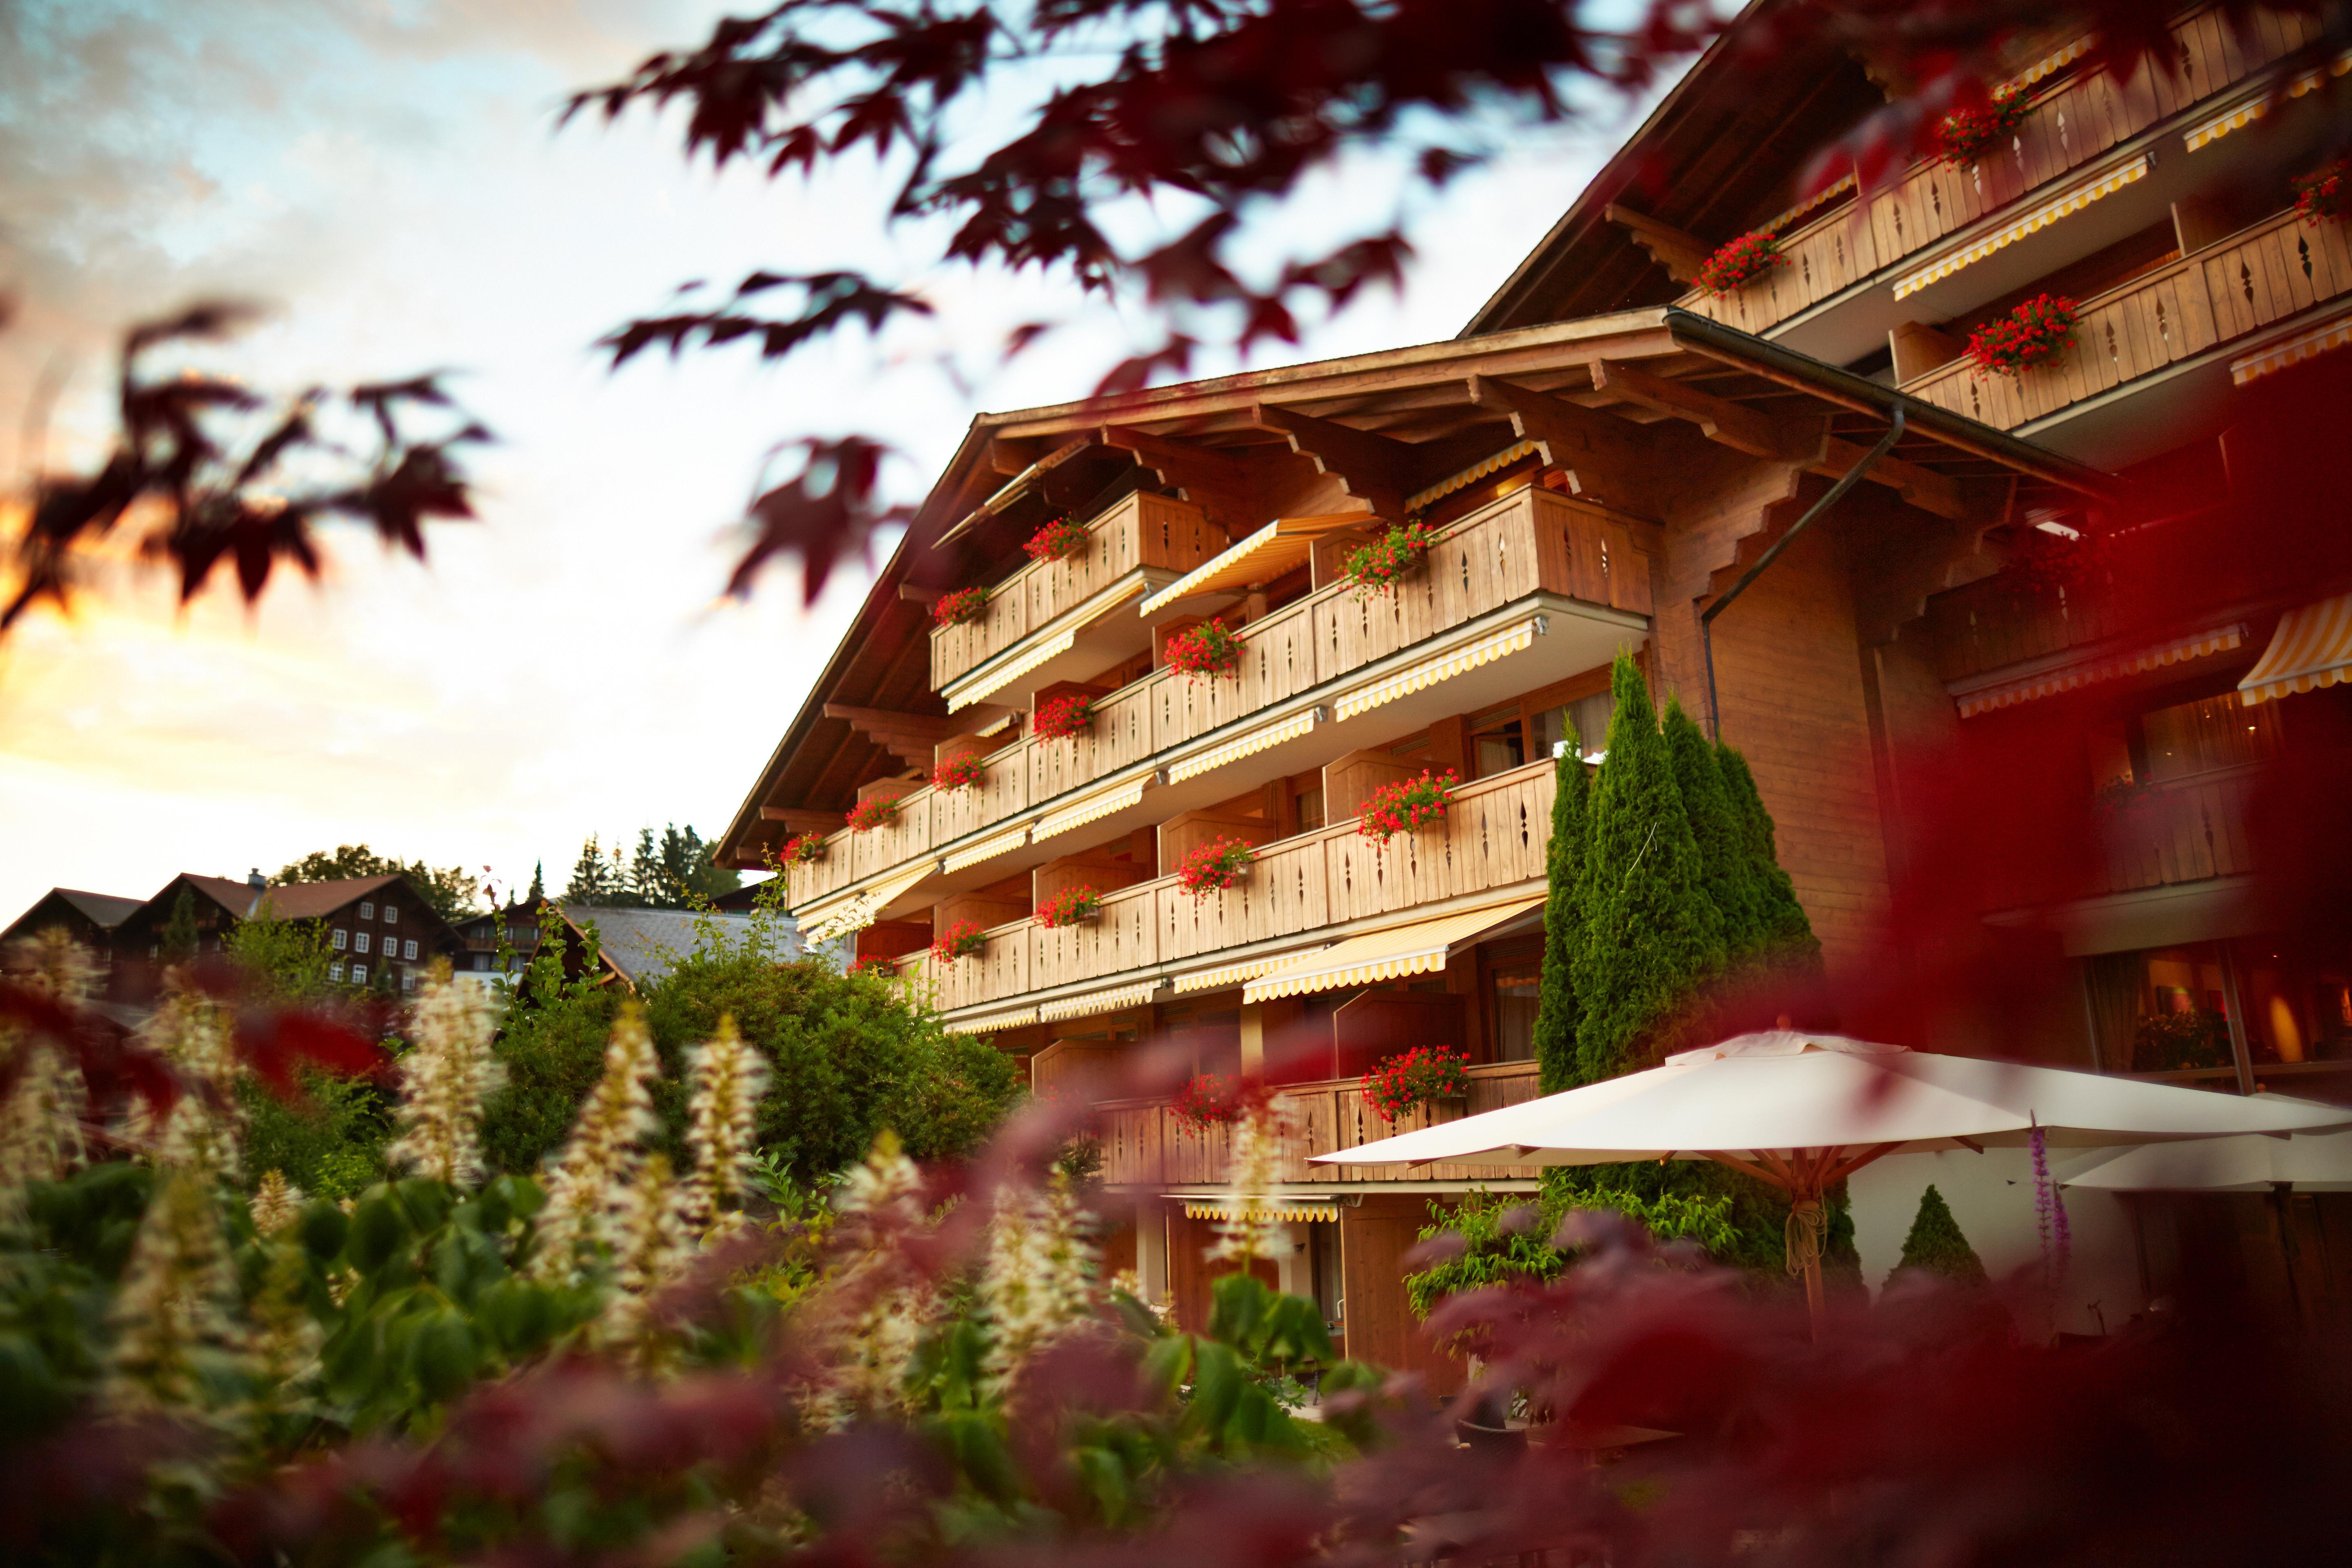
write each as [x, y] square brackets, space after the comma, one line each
[1534, 540]
[1142, 531]
[2182, 831]
[1999, 621]
[1146, 1144]
[2262, 275]
[1492, 836]
[2070, 125]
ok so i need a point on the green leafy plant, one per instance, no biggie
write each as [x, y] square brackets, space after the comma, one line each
[1505, 1239]
[1379, 566]
[1935, 1245]
[2176, 1042]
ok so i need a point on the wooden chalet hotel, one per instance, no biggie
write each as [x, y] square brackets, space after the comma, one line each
[1601, 453]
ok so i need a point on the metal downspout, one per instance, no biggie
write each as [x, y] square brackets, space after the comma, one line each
[1846, 481]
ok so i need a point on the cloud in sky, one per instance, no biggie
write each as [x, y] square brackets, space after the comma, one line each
[386, 175]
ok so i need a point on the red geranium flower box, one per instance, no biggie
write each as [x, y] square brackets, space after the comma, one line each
[961, 608]
[1064, 718]
[1205, 649]
[1206, 1101]
[1057, 541]
[2034, 333]
[1214, 866]
[962, 771]
[1420, 1075]
[1407, 805]
[868, 814]
[1740, 262]
[961, 939]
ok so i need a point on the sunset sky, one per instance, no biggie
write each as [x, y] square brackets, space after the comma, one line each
[386, 176]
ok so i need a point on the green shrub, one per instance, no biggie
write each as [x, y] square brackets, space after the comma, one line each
[1936, 1244]
[330, 1143]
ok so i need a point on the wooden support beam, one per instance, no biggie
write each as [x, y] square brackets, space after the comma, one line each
[1375, 469]
[1735, 425]
[1224, 487]
[909, 737]
[926, 597]
[1682, 255]
[1923, 488]
[1018, 485]
[1009, 455]
[1604, 459]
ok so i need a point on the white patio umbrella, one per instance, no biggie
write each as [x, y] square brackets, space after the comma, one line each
[1804, 1111]
[2319, 1162]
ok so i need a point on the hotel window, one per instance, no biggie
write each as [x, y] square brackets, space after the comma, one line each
[358, 973]
[408, 950]
[335, 970]
[2167, 1009]
[408, 980]
[1310, 808]
[367, 911]
[391, 914]
[343, 939]
[481, 961]
[2203, 737]
[1497, 744]
[360, 943]
[1514, 991]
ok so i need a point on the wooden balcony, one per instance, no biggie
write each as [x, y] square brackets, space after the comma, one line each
[2072, 125]
[1492, 839]
[1532, 541]
[1144, 1144]
[2259, 276]
[2182, 831]
[1995, 622]
[1145, 541]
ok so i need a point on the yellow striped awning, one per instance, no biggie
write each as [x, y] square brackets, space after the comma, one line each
[2246, 113]
[1093, 808]
[2311, 649]
[988, 848]
[987, 682]
[1417, 949]
[1296, 1213]
[1828, 193]
[1115, 999]
[2040, 218]
[1226, 975]
[1241, 746]
[2057, 60]
[2009, 693]
[987, 1022]
[1280, 545]
[1455, 661]
[2303, 345]
[860, 908]
[1470, 476]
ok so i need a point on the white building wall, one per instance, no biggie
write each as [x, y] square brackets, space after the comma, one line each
[1992, 1196]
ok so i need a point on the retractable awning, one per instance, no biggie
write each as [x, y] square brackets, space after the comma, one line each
[1974, 700]
[860, 908]
[1226, 975]
[2311, 649]
[1420, 948]
[1280, 545]
[2041, 217]
[1325, 1210]
[1113, 999]
[2302, 345]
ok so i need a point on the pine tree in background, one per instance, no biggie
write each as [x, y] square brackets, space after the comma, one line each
[1789, 937]
[178, 938]
[593, 879]
[538, 894]
[1651, 934]
[1726, 868]
[1937, 1247]
[1557, 1012]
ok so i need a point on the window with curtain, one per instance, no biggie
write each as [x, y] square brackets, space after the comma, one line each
[2206, 736]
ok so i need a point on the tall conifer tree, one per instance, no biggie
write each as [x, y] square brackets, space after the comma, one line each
[1727, 867]
[1788, 935]
[1557, 1012]
[1650, 933]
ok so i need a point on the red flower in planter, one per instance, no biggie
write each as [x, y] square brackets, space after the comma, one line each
[877, 968]
[2322, 193]
[1379, 566]
[2034, 333]
[1205, 649]
[868, 814]
[1420, 1074]
[1071, 906]
[962, 771]
[959, 608]
[1407, 805]
[1057, 541]
[1213, 868]
[1064, 718]
[1967, 135]
[803, 850]
[961, 939]
[1742, 262]
[1206, 1101]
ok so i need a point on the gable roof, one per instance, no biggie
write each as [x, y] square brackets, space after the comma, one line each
[642, 946]
[105, 909]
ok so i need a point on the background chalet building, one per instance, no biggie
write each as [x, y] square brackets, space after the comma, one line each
[376, 926]
[1603, 453]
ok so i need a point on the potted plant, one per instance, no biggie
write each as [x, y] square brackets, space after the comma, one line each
[1408, 804]
[1740, 262]
[1377, 567]
[961, 939]
[2321, 194]
[959, 608]
[1059, 540]
[1204, 1101]
[1064, 718]
[1214, 866]
[1205, 649]
[875, 968]
[868, 814]
[1423, 1075]
[1966, 135]
[2034, 333]
[803, 850]
[1071, 906]
[962, 771]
